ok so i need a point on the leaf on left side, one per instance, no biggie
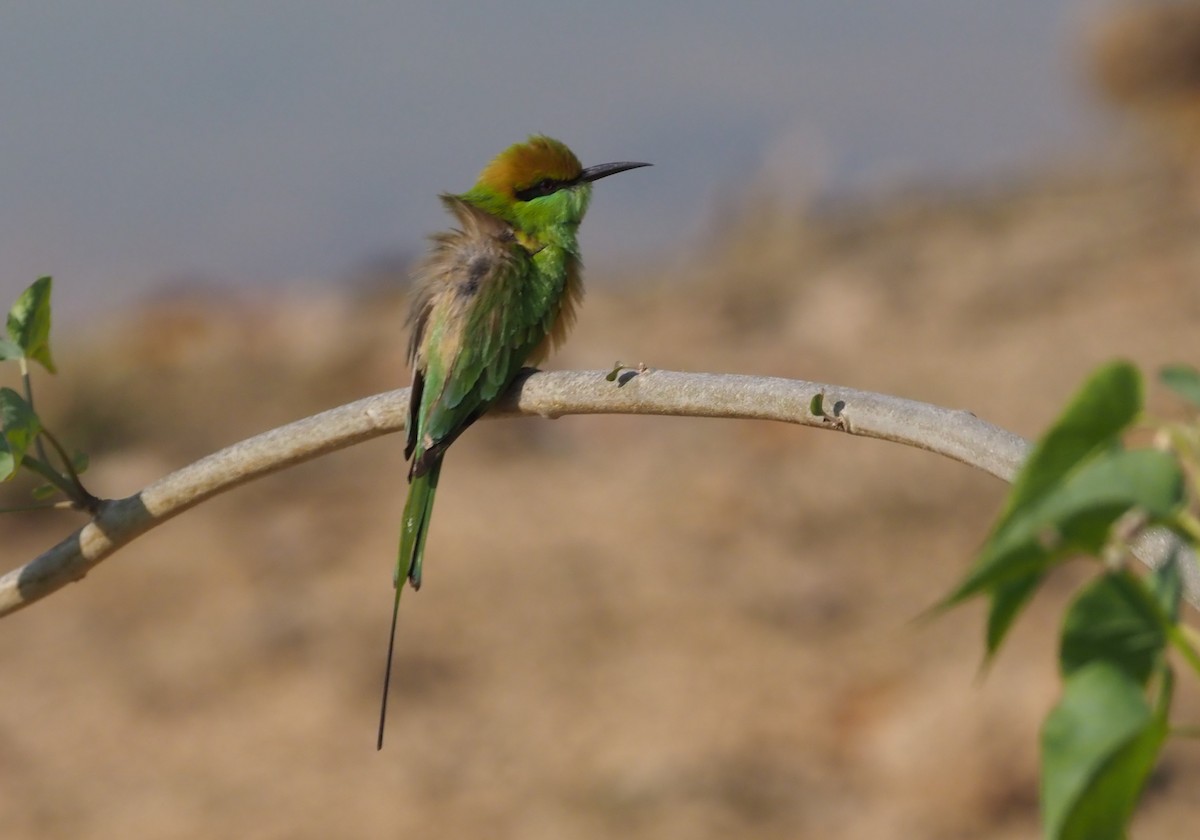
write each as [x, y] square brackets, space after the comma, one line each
[29, 323]
[18, 427]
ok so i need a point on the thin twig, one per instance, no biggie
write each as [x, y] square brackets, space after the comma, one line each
[27, 383]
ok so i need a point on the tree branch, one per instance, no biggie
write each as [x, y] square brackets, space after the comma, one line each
[956, 434]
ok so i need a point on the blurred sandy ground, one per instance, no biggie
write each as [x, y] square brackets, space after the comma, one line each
[634, 627]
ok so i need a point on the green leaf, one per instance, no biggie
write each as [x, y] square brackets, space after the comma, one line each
[29, 323]
[1048, 513]
[8, 350]
[1075, 516]
[1167, 581]
[1100, 411]
[1007, 600]
[1099, 745]
[19, 427]
[80, 462]
[1115, 619]
[43, 492]
[1184, 380]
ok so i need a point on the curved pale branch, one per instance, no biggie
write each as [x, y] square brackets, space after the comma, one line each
[956, 434]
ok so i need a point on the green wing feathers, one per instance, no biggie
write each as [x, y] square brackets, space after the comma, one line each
[483, 304]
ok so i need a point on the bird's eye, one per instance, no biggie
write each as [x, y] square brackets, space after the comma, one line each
[546, 186]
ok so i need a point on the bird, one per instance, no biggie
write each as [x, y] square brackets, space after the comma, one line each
[495, 294]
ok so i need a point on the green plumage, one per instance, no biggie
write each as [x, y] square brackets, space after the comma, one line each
[494, 294]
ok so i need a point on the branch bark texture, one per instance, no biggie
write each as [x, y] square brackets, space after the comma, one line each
[959, 435]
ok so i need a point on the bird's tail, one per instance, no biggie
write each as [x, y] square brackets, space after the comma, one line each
[414, 528]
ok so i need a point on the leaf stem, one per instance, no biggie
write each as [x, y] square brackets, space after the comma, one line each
[80, 496]
[1182, 638]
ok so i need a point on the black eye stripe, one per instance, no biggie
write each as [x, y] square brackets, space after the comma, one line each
[546, 186]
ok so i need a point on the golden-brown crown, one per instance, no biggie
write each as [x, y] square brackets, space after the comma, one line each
[524, 164]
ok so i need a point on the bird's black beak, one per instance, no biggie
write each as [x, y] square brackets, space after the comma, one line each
[603, 170]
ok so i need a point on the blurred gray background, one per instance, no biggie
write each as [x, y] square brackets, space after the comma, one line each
[150, 144]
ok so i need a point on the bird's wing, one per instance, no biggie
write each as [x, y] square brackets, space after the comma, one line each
[472, 329]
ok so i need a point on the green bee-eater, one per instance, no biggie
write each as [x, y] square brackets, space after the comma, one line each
[492, 296]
